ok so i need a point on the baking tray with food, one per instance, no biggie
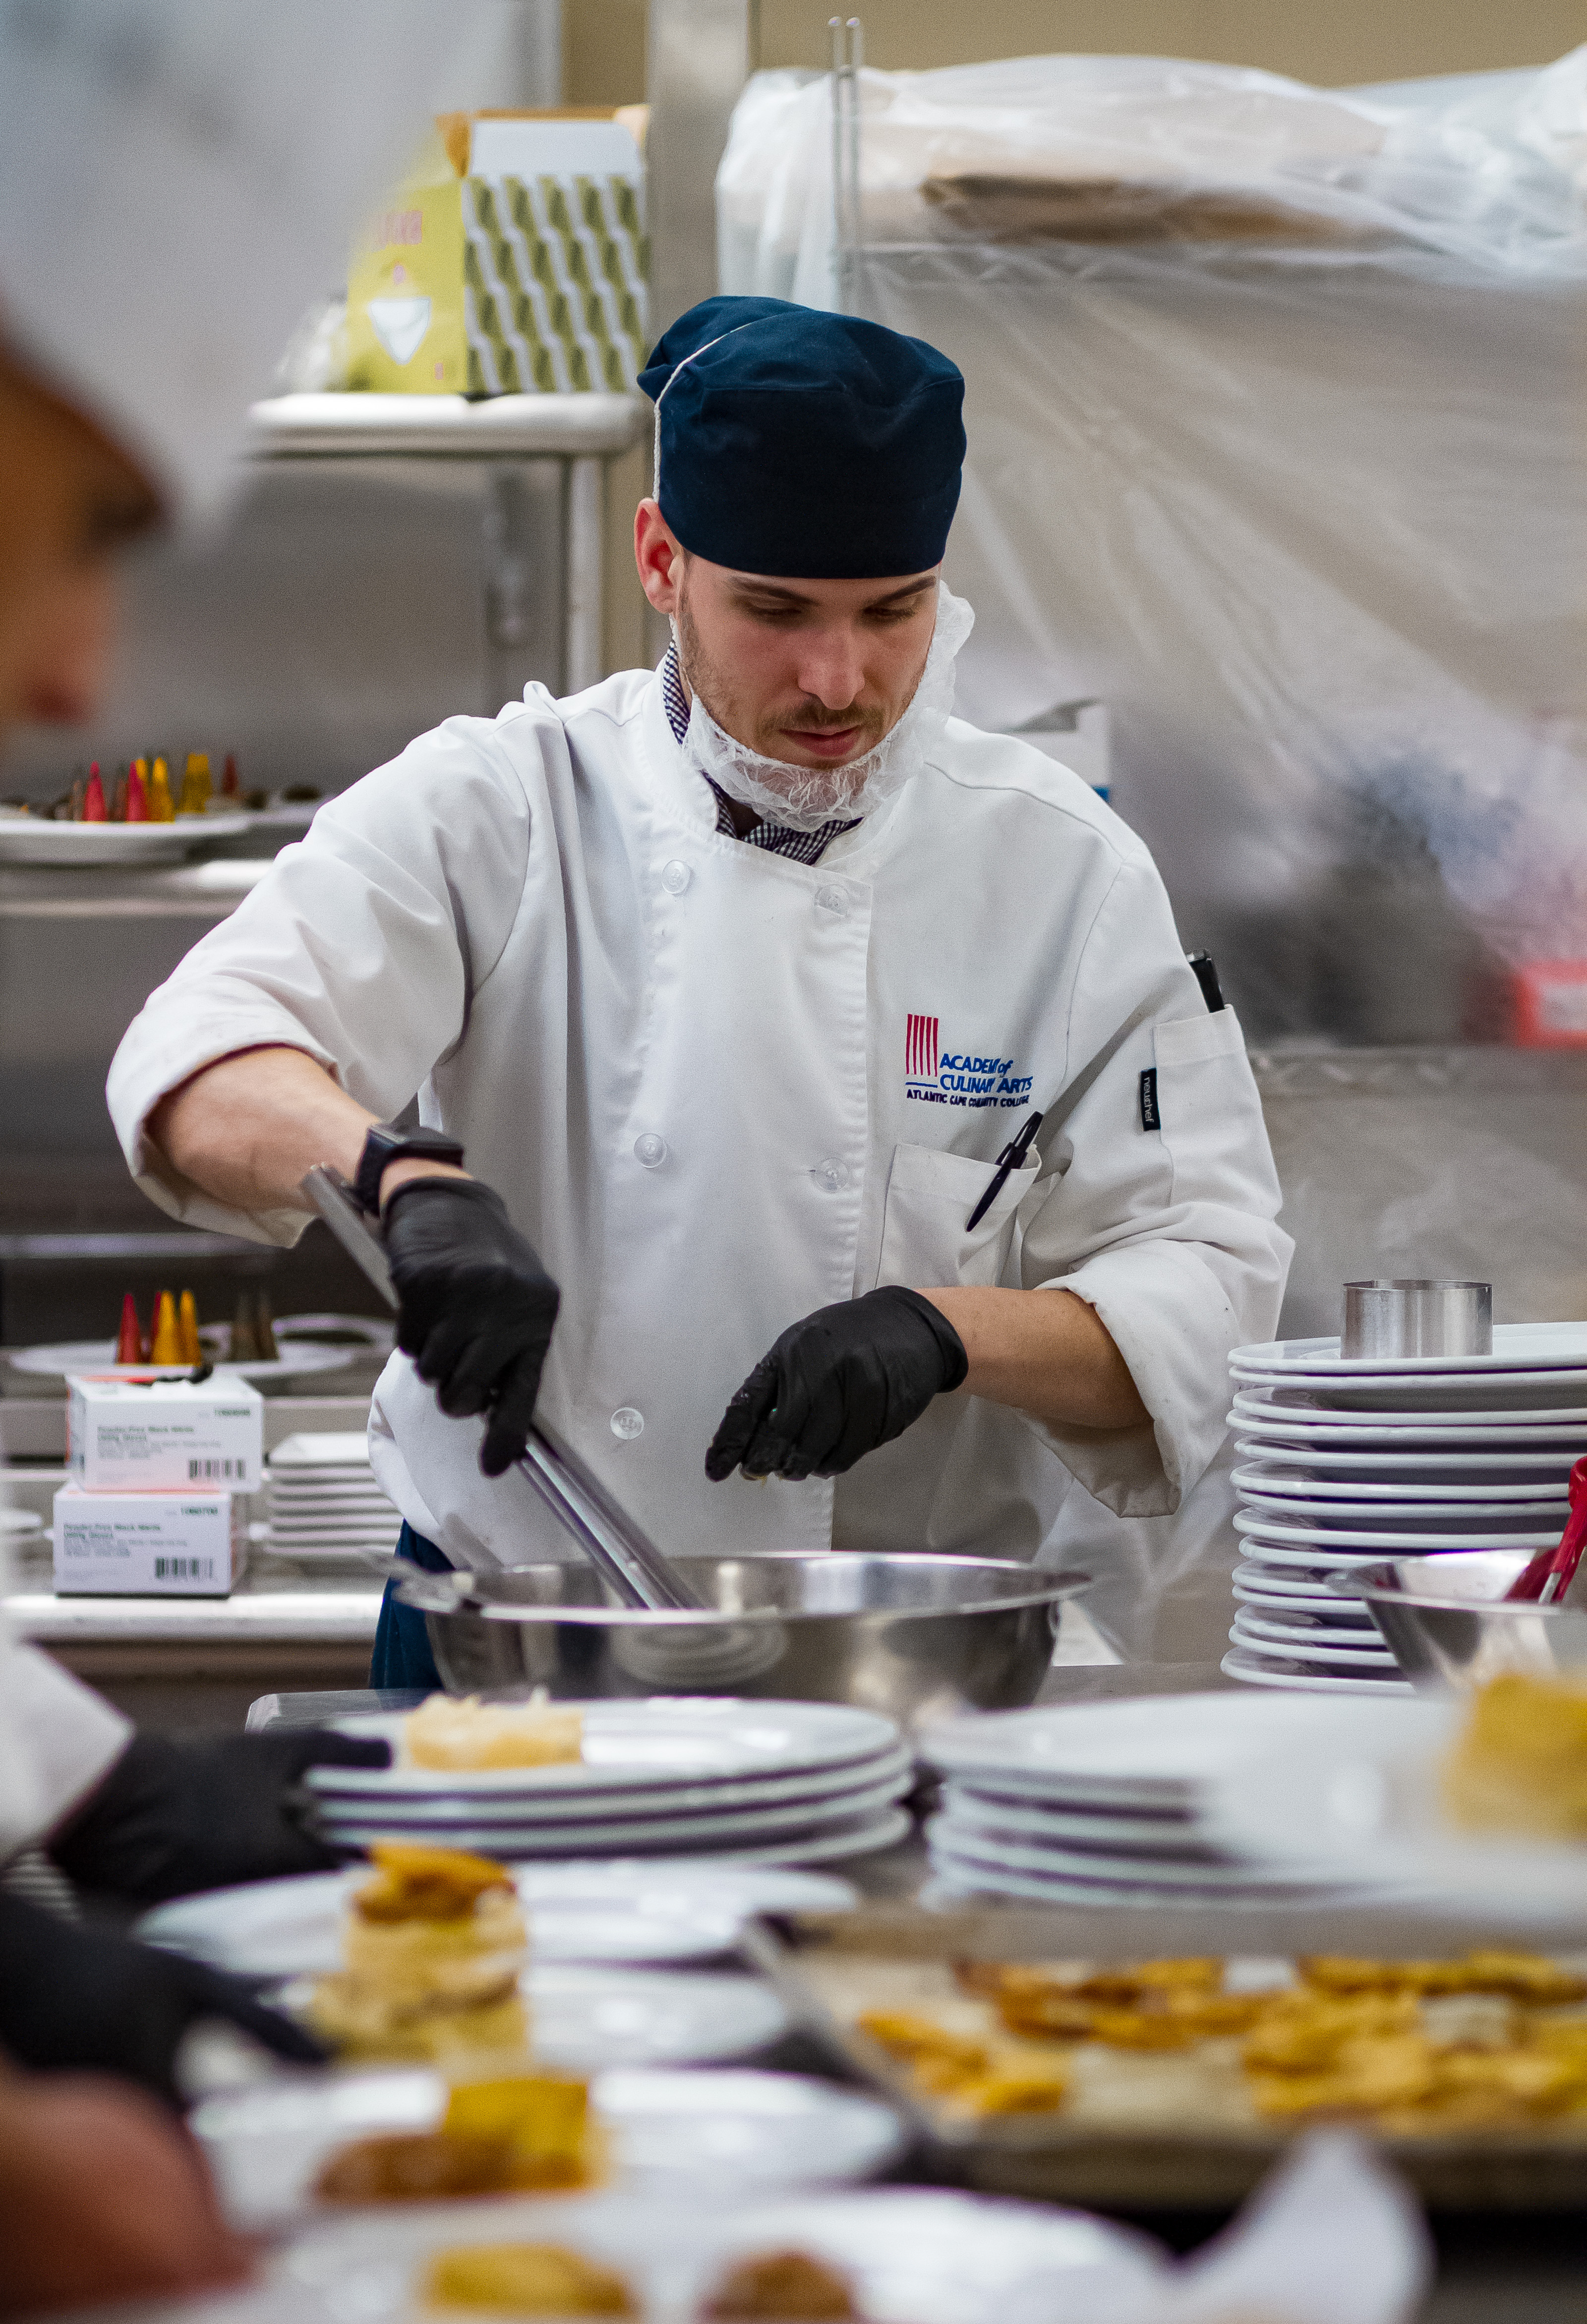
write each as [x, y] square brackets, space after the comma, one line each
[1147, 2075]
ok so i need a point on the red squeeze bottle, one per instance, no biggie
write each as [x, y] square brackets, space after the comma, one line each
[129, 1346]
[93, 798]
[229, 786]
[137, 798]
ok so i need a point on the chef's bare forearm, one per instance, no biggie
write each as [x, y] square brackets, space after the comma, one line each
[1047, 1353]
[246, 1129]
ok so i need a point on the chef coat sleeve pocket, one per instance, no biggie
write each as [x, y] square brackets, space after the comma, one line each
[925, 1241]
[1206, 1097]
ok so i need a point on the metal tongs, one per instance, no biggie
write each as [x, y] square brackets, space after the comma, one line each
[622, 1554]
[1545, 1578]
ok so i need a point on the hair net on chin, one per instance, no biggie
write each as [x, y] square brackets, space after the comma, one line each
[178, 179]
[802, 798]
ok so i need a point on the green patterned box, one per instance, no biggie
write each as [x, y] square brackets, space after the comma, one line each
[506, 280]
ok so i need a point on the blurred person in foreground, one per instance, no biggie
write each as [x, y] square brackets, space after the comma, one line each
[177, 178]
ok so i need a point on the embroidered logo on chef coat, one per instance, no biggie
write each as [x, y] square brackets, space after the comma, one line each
[936, 1076]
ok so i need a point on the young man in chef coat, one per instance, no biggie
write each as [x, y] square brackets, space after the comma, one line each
[721, 987]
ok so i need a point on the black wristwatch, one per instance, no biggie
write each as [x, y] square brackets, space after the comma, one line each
[386, 1144]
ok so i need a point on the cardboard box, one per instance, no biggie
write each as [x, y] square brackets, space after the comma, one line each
[146, 1544]
[131, 1435]
[512, 260]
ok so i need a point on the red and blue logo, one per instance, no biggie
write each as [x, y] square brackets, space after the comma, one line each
[939, 1077]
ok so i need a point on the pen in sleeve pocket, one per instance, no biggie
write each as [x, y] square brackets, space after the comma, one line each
[1011, 1158]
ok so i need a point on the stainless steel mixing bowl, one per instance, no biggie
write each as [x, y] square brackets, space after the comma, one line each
[914, 1637]
[1448, 1625]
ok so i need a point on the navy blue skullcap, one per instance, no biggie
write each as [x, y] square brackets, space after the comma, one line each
[793, 442]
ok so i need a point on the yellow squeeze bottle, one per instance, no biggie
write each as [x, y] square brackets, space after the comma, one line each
[166, 1345]
[196, 784]
[187, 1326]
[161, 809]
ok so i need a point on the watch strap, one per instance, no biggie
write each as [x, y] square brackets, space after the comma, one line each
[384, 1144]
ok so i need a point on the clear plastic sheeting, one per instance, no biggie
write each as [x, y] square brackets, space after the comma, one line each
[1278, 447]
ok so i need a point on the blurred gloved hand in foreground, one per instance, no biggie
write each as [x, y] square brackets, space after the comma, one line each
[72, 1997]
[477, 1307]
[175, 1814]
[836, 1385]
[102, 2197]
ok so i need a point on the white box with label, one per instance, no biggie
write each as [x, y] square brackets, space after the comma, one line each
[163, 1435]
[146, 1544]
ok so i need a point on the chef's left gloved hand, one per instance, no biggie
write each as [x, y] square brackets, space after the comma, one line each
[73, 1998]
[174, 1816]
[835, 1386]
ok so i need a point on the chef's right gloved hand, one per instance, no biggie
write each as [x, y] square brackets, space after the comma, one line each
[477, 1307]
[72, 1997]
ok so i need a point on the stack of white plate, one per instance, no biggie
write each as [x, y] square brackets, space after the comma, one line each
[1101, 1803]
[322, 1499]
[1345, 1462]
[760, 1782]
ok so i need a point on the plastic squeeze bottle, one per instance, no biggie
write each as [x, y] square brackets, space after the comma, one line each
[137, 796]
[94, 809]
[187, 1325]
[196, 784]
[129, 1346]
[166, 1345]
[161, 809]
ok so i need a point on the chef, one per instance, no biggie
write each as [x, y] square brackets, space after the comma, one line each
[144, 145]
[721, 989]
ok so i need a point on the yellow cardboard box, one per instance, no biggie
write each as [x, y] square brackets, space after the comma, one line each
[513, 259]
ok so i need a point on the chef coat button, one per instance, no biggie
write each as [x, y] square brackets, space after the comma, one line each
[832, 900]
[675, 878]
[650, 1150]
[833, 1174]
[627, 1422]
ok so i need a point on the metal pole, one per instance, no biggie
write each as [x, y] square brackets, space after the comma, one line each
[585, 659]
[848, 58]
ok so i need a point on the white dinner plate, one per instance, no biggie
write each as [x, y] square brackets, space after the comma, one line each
[1365, 1792]
[1152, 1752]
[1266, 1414]
[1142, 1834]
[745, 2133]
[1516, 1347]
[824, 1843]
[589, 1835]
[1454, 1393]
[1315, 1652]
[293, 1927]
[914, 2254]
[1464, 1513]
[1253, 1574]
[1241, 1663]
[1171, 1876]
[1446, 1466]
[601, 1806]
[1396, 1540]
[1297, 1628]
[39, 839]
[587, 2016]
[974, 1868]
[1267, 1480]
[655, 1745]
[56, 1359]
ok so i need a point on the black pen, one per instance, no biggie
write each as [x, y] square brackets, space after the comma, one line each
[1012, 1158]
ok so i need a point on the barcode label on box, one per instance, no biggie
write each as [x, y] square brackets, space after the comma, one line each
[184, 1569]
[216, 1472]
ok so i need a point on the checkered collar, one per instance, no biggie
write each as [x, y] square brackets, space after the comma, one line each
[800, 846]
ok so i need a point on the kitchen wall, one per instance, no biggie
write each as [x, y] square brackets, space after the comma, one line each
[1354, 40]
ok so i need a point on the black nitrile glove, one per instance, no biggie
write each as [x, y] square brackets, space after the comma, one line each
[835, 1386]
[174, 1815]
[72, 1997]
[477, 1306]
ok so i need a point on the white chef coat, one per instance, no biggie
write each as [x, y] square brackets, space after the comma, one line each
[719, 1089]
